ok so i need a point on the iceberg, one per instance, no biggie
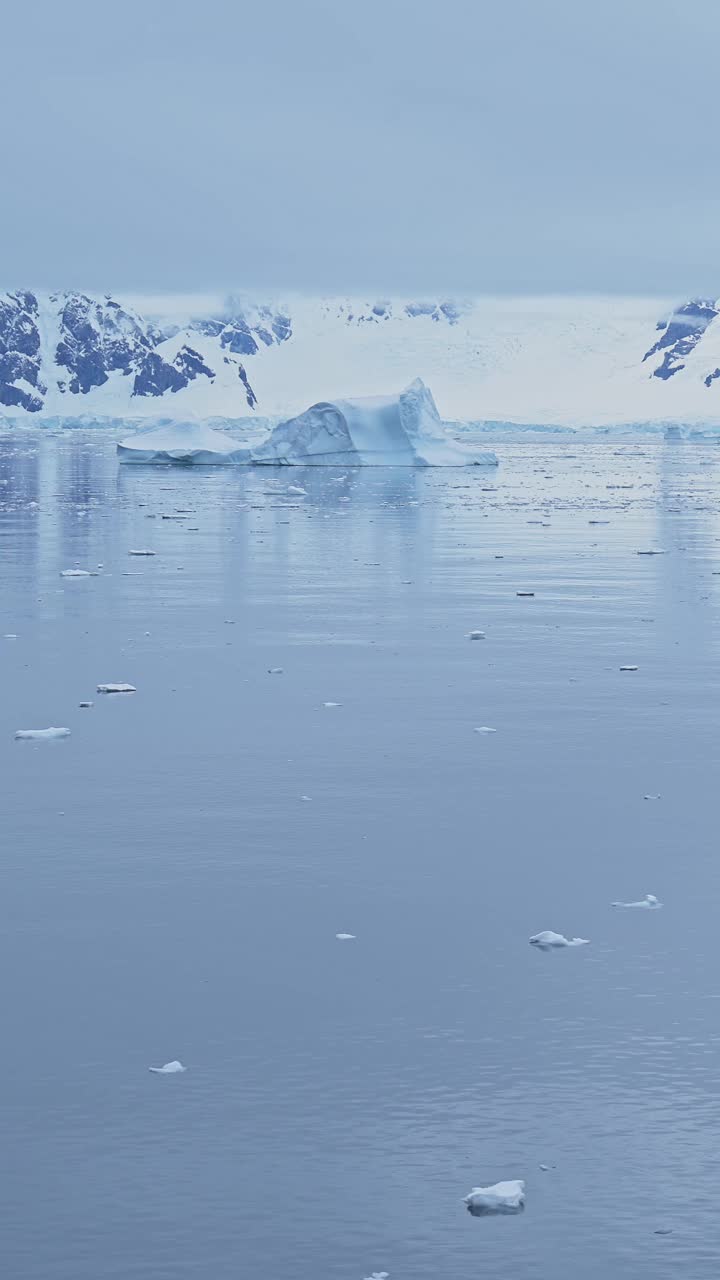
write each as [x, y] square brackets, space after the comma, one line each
[548, 940]
[502, 1197]
[183, 443]
[169, 1069]
[381, 431]
[403, 430]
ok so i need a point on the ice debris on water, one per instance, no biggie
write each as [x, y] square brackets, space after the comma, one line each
[275, 671]
[502, 1197]
[10, 635]
[651, 797]
[41, 735]
[86, 704]
[75, 573]
[379, 1275]
[345, 937]
[629, 667]
[169, 1069]
[116, 688]
[332, 704]
[525, 593]
[648, 903]
[484, 728]
[141, 553]
[476, 635]
[651, 553]
[548, 940]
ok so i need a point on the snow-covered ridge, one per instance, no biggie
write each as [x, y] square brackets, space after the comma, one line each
[75, 357]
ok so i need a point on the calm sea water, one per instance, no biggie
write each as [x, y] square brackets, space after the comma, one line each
[168, 893]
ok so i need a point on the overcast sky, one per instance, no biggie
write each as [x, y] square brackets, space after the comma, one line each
[384, 145]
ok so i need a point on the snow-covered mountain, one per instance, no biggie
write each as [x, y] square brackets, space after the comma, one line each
[565, 361]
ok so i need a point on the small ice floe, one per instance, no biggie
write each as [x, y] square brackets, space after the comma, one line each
[484, 728]
[10, 635]
[651, 553]
[141, 553]
[663, 1231]
[598, 521]
[651, 797]
[275, 671]
[332, 704]
[86, 704]
[503, 1197]
[170, 1069]
[629, 667]
[116, 688]
[42, 735]
[75, 573]
[306, 797]
[547, 940]
[524, 593]
[345, 937]
[379, 1275]
[476, 635]
[648, 903]
[295, 488]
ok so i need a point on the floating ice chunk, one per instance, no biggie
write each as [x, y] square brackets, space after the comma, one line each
[629, 667]
[651, 797]
[116, 688]
[75, 573]
[10, 635]
[345, 937]
[332, 704]
[525, 593]
[547, 940]
[296, 488]
[306, 797]
[476, 635]
[275, 671]
[379, 1275]
[170, 1069]
[651, 553]
[382, 431]
[503, 1197]
[86, 704]
[484, 728]
[648, 903]
[141, 553]
[42, 735]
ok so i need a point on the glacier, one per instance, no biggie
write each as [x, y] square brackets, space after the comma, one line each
[404, 430]
[562, 364]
